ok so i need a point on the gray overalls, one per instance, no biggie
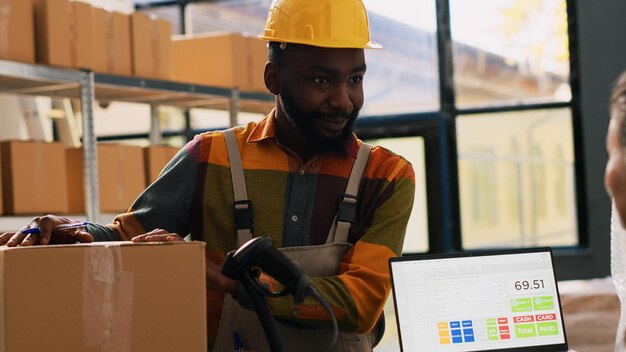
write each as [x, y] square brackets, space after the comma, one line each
[308, 258]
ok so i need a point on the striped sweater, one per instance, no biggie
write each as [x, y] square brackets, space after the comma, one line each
[294, 204]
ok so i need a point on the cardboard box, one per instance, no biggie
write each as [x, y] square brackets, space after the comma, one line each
[75, 184]
[17, 34]
[81, 35]
[156, 157]
[52, 32]
[121, 177]
[216, 59]
[257, 59]
[33, 177]
[1, 201]
[64, 33]
[221, 59]
[107, 296]
[112, 42]
[151, 43]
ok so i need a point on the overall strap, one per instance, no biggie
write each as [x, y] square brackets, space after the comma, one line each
[242, 205]
[346, 205]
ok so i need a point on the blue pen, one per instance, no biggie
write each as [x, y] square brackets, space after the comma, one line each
[73, 225]
[237, 342]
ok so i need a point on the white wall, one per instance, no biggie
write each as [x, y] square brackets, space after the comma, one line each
[12, 124]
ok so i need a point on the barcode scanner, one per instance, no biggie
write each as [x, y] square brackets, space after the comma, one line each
[258, 255]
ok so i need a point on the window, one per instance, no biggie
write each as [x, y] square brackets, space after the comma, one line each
[522, 176]
[402, 77]
[412, 149]
[485, 95]
[509, 51]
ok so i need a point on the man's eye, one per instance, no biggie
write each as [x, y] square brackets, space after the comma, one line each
[321, 80]
[356, 80]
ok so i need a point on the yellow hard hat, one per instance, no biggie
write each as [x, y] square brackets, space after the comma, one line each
[325, 23]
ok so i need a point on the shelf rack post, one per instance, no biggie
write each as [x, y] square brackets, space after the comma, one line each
[155, 125]
[234, 107]
[90, 153]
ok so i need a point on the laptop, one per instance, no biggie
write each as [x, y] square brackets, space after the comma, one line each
[504, 300]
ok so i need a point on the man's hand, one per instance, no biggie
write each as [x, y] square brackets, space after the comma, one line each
[215, 280]
[158, 235]
[46, 234]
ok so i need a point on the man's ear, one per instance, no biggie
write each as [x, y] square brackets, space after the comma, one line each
[272, 78]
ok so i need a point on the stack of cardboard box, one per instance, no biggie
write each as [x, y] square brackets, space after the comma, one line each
[33, 177]
[106, 296]
[120, 174]
[17, 39]
[40, 178]
[73, 34]
[222, 59]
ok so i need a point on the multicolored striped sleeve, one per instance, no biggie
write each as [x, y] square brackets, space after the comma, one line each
[166, 202]
[358, 294]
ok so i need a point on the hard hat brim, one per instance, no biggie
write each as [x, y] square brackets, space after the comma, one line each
[369, 45]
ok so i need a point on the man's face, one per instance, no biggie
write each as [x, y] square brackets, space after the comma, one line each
[615, 172]
[321, 93]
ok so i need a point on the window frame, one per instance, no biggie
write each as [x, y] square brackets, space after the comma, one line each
[573, 262]
[590, 258]
[429, 126]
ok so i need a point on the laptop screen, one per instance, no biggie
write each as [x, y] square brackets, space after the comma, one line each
[503, 300]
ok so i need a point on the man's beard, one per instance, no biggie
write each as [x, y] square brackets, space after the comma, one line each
[303, 124]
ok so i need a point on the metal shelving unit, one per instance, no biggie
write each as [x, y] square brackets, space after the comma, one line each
[86, 86]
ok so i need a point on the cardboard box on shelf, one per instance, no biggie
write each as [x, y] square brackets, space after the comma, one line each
[1, 201]
[52, 32]
[112, 42]
[151, 46]
[156, 157]
[121, 177]
[221, 59]
[81, 35]
[106, 296]
[216, 59]
[17, 34]
[64, 33]
[75, 181]
[257, 59]
[33, 177]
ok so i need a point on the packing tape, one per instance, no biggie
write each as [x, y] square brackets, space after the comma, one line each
[5, 17]
[107, 299]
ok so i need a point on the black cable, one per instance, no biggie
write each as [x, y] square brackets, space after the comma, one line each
[263, 312]
[257, 294]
